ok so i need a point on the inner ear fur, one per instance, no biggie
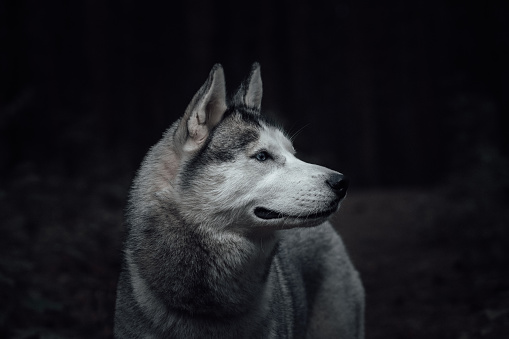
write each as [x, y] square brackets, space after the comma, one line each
[204, 112]
[251, 90]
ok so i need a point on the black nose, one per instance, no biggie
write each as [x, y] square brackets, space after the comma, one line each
[339, 184]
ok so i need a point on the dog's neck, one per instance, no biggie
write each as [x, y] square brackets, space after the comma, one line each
[198, 273]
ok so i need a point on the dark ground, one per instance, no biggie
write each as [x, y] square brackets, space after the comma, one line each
[433, 265]
[433, 261]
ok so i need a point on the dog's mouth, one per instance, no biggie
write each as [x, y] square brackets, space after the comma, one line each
[267, 214]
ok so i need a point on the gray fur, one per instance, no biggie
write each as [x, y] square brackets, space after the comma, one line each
[251, 90]
[201, 260]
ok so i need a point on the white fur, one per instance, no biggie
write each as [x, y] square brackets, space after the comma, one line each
[285, 184]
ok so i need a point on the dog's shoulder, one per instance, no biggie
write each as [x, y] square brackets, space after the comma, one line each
[317, 253]
[319, 269]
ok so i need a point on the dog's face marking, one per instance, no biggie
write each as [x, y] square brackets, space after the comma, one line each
[247, 176]
[223, 146]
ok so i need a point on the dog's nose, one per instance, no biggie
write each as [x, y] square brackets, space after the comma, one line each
[339, 184]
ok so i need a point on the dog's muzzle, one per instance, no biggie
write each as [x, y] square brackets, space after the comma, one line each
[339, 185]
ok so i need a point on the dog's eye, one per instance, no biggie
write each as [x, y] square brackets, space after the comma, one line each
[262, 156]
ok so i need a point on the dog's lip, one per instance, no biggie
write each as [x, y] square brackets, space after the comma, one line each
[268, 214]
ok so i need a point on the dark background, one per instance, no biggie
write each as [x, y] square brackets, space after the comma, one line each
[402, 96]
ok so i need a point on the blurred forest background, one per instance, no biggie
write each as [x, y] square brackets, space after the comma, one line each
[408, 98]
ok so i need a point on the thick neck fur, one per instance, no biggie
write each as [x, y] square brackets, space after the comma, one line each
[200, 273]
[195, 270]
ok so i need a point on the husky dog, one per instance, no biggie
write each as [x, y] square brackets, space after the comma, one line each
[227, 232]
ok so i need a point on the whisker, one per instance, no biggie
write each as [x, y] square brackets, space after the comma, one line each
[294, 135]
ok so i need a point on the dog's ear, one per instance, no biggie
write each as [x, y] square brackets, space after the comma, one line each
[251, 90]
[203, 113]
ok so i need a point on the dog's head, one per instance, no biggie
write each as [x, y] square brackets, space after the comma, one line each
[233, 168]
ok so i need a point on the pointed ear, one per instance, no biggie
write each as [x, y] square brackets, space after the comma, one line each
[251, 90]
[203, 113]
